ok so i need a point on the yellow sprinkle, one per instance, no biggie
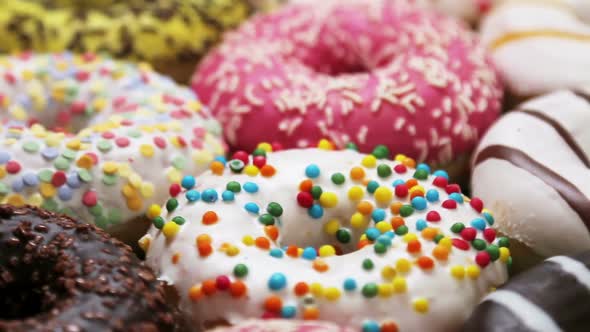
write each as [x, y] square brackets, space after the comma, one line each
[356, 193]
[504, 254]
[35, 200]
[153, 211]
[316, 289]
[232, 251]
[15, 200]
[388, 272]
[383, 226]
[27, 75]
[399, 284]
[473, 271]
[400, 158]
[324, 144]
[251, 170]
[383, 195]
[110, 167]
[421, 305]
[74, 144]
[458, 271]
[265, 146]
[202, 157]
[328, 199]
[446, 242]
[357, 220]
[174, 176]
[147, 189]
[194, 106]
[417, 188]
[330, 228]
[175, 141]
[85, 162]
[385, 290]
[170, 229]
[146, 150]
[327, 250]
[332, 293]
[145, 242]
[124, 169]
[403, 265]
[135, 203]
[18, 113]
[248, 240]
[47, 190]
[369, 161]
[128, 191]
[99, 104]
[410, 237]
[135, 180]
[2, 172]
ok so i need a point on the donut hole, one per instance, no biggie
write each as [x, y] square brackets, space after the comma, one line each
[26, 298]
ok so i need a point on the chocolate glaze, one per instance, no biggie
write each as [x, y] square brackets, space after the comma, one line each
[570, 193]
[559, 294]
[57, 274]
[582, 94]
[565, 135]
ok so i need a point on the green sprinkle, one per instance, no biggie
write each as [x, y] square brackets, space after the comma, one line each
[316, 192]
[31, 146]
[110, 179]
[380, 152]
[259, 152]
[275, 209]
[4, 189]
[179, 163]
[478, 244]
[338, 178]
[104, 145]
[96, 210]
[380, 248]
[61, 163]
[233, 186]
[114, 216]
[383, 171]
[266, 219]
[171, 204]
[368, 264]
[240, 270]
[101, 222]
[84, 175]
[370, 290]
[421, 174]
[45, 175]
[69, 154]
[179, 220]
[406, 210]
[438, 237]
[158, 222]
[457, 227]
[494, 252]
[343, 235]
[49, 204]
[134, 133]
[504, 242]
[401, 230]
[352, 146]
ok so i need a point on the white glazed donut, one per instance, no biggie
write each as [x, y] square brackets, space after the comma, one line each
[418, 255]
[133, 131]
[531, 168]
[540, 45]
[282, 325]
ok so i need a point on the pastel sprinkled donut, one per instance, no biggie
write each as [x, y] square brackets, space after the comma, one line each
[282, 325]
[170, 34]
[353, 239]
[539, 46]
[552, 297]
[375, 72]
[117, 133]
[532, 169]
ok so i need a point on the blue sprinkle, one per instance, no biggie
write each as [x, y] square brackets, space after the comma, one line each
[312, 171]
[277, 281]
[192, 195]
[309, 253]
[276, 252]
[423, 167]
[349, 284]
[372, 186]
[489, 218]
[441, 173]
[250, 187]
[398, 182]
[31, 179]
[432, 195]
[4, 157]
[372, 233]
[389, 234]
[456, 197]
[228, 196]
[50, 153]
[188, 182]
[378, 215]
[384, 239]
[209, 195]
[221, 159]
[421, 224]
[316, 211]
[73, 180]
[65, 193]
[288, 311]
[17, 185]
[419, 203]
[478, 223]
[371, 326]
[252, 207]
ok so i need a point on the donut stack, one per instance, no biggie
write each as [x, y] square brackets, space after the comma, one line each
[308, 179]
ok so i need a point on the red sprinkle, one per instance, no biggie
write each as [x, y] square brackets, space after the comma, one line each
[174, 189]
[160, 142]
[440, 182]
[477, 204]
[460, 244]
[222, 282]
[401, 190]
[449, 204]
[89, 198]
[453, 188]
[108, 135]
[58, 179]
[433, 216]
[400, 169]
[78, 107]
[305, 199]
[82, 76]
[13, 167]
[482, 258]
[468, 234]
[10, 78]
[259, 161]
[243, 156]
[489, 234]
[122, 142]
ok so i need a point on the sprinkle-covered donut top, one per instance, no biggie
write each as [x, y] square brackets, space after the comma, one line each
[282, 325]
[368, 72]
[333, 235]
[119, 132]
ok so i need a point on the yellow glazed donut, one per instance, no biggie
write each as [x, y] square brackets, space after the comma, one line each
[172, 35]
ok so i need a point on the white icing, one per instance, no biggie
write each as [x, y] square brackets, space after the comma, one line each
[532, 316]
[450, 299]
[526, 207]
[573, 267]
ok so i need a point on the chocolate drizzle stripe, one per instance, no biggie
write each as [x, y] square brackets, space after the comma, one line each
[570, 193]
[582, 94]
[565, 135]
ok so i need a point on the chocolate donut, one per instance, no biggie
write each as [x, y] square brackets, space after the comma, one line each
[57, 274]
[553, 296]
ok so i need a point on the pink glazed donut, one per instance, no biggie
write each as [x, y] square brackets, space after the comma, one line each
[353, 71]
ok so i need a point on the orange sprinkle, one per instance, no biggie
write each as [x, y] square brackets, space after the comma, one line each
[267, 171]
[414, 246]
[409, 162]
[262, 242]
[366, 182]
[301, 288]
[395, 207]
[205, 249]
[389, 327]
[306, 185]
[364, 207]
[293, 251]
[217, 167]
[397, 221]
[209, 218]
[209, 287]
[85, 162]
[362, 244]
[416, 193]
[195, 293]
[203, 239]
[273, 303]
[429, 233]
[320, 266]
[425, 263]
[311, 313]
[272, 232]
[440, 252]
[357, 173]
[175, 258]
[411, 183]
[237, 288]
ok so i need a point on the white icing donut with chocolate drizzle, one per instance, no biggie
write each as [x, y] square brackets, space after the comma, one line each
[540, 46]
[333, 235]
[532, 169]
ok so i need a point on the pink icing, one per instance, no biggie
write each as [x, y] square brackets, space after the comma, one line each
[368, 72]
